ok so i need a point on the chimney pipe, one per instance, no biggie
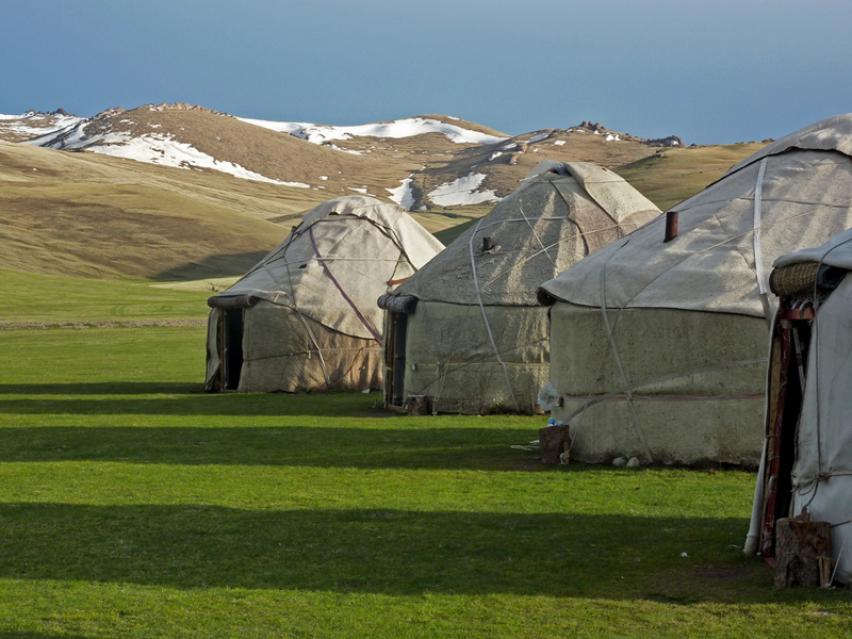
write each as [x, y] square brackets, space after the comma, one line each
[671, 226]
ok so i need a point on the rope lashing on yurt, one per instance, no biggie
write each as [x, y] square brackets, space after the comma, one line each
[692, 255]
[372, 330]
[581, 234]
[758, 253]
[488, 330]
[307, 327]
[621, 371]
[445, 368]
[442, 378]
[316, 346]
[609, 327]
[536, 235]
[638, 396]
[568, 208]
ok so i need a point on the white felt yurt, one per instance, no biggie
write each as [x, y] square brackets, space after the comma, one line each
[305, 317]
[659, 340]
[466, 331]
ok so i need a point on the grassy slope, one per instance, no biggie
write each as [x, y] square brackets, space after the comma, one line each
[133, 505]
[84, 214]
[673, 175]
[90, 215]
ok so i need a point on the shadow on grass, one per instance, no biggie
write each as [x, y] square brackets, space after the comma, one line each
[102, 388]
[385, 551]
[223, 265]
[14, 634]
[189, 400]
[449, 448]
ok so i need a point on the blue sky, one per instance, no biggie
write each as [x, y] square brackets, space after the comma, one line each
[711, 71]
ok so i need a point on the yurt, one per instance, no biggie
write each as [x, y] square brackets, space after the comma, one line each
[659, 339]
[305, 317]
[466, 332]
[807, 454]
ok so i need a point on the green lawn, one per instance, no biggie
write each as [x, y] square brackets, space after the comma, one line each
[52, 298]
[133, 505]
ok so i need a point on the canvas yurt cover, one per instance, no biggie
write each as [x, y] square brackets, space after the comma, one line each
[305, 317]
[807, 455]
[659, 340]
[466, 331]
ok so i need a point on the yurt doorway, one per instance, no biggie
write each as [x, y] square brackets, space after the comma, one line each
[395, 359]
[231, 346]
[791, 340]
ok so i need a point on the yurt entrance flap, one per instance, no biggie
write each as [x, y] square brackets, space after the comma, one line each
[396, 332]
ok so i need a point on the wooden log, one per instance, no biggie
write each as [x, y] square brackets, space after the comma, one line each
[802, 550]
[552, 442]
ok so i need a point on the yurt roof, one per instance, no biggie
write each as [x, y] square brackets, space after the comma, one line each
[795, 192]
[558, 214]
[337, 261]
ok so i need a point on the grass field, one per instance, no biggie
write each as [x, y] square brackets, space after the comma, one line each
[673, 175]
[133, 505]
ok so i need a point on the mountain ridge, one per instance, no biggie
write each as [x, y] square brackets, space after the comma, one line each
[423, 162]
[195, 208]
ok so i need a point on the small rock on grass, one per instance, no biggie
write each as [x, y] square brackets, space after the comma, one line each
[633, 462]
[619, 462]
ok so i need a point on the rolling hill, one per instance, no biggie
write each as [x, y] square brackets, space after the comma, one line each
[424, 163]
[85, 214]
[181, 192]
[672, 175]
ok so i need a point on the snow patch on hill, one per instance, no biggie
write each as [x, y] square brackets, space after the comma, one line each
[155, 148]
[538, 137]
[280, 127]
[403, 194]
[404, 128]
[462, 191]
[37, 124]
[349, 151]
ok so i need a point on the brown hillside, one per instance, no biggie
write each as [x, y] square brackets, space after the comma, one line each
[505, 164]
[274, 155]
[673, 175]
[85, 214]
